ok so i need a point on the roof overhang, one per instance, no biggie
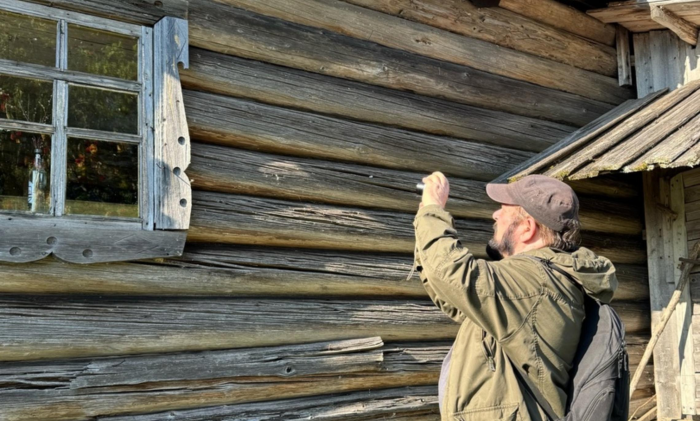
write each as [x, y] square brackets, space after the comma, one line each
[661, 130]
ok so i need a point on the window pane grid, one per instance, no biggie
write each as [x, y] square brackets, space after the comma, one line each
[62, 78]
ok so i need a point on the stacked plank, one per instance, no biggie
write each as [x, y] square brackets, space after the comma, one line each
[311, 122]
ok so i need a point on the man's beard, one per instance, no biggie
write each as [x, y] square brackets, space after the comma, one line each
[496, 250]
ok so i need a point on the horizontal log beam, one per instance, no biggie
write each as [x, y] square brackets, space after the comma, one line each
[403, 404]
[206, 18]
[558, 15]
[224, 270]
[296, 89]
[141, 12]
[223, 218]
[136, 384]
[335, 55]
[685, 30]
[245, 124]
[56, 327]
[367, 187]
[505, 28]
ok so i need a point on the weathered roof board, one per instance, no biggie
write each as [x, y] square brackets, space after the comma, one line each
[659, 130]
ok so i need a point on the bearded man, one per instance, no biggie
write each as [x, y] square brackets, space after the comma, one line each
[513, 310]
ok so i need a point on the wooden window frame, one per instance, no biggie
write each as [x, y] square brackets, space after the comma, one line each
[164, 151]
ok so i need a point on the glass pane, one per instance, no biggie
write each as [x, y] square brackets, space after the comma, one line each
[25, 171]
[28, 39]
[102, 53]
[100, 109]
[103, 178]
[25, 99]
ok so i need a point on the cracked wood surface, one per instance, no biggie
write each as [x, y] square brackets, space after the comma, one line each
[375, 104]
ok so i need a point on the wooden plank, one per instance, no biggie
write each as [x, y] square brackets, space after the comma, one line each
[661, 269]
[331, 96]
[237, 271]
[578, 138]
[55, 327]
[505, 28]
[210, 25]
[557, 15]
[141, 12]
[313, 180]
[52, 327]
[402, 404]
[26, 126]
[674, 146]
[648, 137]
[295, 46]
[624, 66]
[48, 389]
[268, 378]
[685, 30]
[692, 194]
[636, 15]
[147, 168]
[79, 240]
[642, 64]
[691, 178]
[684, 309]
[608, 186]
[230, 219]
[59, 150]
[629, 127]
[173, 203]
[251, 125]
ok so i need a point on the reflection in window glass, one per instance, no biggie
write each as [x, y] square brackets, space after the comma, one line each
[28, 39]
[101, 109]
[26, 168]
[103, 178]
[25, 99]
[102, 53]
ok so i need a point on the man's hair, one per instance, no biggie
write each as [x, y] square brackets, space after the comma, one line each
[568, 239]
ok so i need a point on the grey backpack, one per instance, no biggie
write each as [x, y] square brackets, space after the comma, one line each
[599, 388]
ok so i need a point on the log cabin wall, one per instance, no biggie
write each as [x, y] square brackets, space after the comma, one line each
[311, 122]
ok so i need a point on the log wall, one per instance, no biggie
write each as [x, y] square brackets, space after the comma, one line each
[311, 122]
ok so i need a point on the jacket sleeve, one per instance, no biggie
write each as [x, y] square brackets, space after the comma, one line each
[463, 286]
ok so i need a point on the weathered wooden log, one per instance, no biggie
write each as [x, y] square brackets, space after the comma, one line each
[505, 28]
[225, 270]
[353, 185]
[210, 28]
[224, 218]
[142, 12]
[338, 56]
[157, 372]
[558, 15]
[78, 389]
[408, 404]
[323, 94]
[137, 384]
[262, 127]
[55, 327]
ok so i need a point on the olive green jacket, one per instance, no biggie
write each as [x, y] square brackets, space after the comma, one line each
[512, 307]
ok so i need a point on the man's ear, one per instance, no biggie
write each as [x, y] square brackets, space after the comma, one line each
[529, 231]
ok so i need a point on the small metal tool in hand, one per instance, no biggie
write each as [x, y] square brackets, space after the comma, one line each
[419, 188]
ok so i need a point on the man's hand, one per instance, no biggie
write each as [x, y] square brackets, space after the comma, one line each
[436, 190]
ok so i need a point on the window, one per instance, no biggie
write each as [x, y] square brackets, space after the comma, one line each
[84, 171]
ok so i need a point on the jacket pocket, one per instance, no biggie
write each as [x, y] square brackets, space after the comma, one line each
[506, 412]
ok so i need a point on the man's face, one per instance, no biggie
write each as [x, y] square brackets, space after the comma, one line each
[503, 242]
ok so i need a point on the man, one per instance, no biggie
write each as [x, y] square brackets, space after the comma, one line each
[514, 308]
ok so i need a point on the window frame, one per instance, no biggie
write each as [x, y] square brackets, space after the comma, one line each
[160, 49]
[61, 78]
